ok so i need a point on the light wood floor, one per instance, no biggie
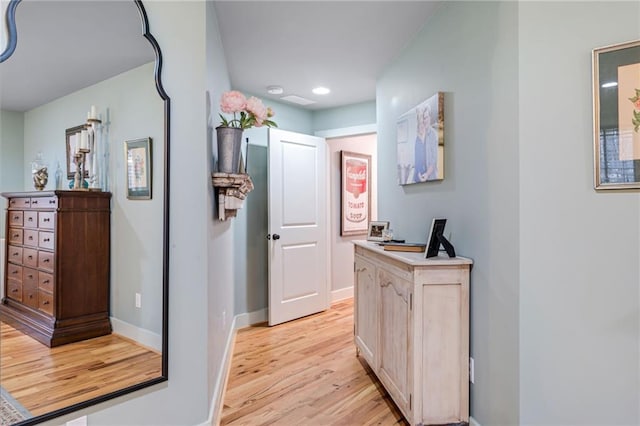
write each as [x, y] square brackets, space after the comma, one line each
[305, 372]
[44, 379]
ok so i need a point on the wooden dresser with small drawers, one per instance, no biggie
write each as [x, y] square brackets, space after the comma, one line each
[56, 286]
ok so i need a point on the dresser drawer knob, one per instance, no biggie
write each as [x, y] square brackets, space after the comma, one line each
[46, 219]
[16, 235]
[45, 282]
[15, 290]
[16, 217]
[46, 302]
[15, 271]
[30, 257]
[30, 275]
[30, 219]
[15, 254]
[46, 240]
[31, 296]
[52, 201]
[34, 202]
[46, 260]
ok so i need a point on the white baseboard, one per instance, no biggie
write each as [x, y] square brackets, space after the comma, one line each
[250, 318]
[473, 422]
[340, 294]
[217, 401]
[140, 335]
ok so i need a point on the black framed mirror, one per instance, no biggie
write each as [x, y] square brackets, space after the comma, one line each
[131, 103]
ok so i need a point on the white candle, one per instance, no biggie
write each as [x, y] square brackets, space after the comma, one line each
[92, 113]
[84, 144]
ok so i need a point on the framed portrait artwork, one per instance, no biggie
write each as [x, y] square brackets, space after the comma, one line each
[420, 142]
[139, 171]
[355, 193]
[376, 230]
[616, 116]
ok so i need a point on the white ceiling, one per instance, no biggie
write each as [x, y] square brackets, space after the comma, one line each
[342, 45]
[64, 46]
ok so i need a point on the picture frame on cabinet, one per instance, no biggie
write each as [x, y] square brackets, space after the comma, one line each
[616, 116]
[420, 142]
[139, 168]
[355, 190]
[436, 239]
[376, 230]
[72, 136]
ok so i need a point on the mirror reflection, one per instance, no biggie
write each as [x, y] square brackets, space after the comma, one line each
[82, 312]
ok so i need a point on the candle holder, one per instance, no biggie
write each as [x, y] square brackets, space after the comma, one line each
[79, 159]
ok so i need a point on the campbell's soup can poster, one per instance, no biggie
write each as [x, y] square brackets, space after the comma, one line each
[355, 193]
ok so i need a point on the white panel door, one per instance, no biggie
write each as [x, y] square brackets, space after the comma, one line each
[298, 268]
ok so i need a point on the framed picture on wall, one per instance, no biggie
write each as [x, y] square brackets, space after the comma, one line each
[139, 172]
[616, 116]
[420, 142]
[355, 193]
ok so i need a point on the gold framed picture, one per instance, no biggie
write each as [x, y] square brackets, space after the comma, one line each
[616, 116]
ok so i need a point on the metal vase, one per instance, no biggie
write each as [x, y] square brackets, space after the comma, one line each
[229, 143]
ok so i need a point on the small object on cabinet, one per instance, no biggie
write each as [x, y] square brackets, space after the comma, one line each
[436, 238]
[376, 229]
[409, 247]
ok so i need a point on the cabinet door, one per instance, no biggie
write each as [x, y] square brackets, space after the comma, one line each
[396, 371]
[365, 313]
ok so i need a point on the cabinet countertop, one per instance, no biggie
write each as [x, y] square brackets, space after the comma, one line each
[413, 258]
[56, 192]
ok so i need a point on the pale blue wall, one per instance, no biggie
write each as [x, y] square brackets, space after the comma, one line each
[220, 239]
[287, 117]
[468, 50]
[359, 114]
[579, 274]
[11, 156]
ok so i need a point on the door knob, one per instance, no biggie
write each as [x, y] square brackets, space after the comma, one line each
[276, 236]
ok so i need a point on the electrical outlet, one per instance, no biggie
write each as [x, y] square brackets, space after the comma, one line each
[138, 300]
[471, 370]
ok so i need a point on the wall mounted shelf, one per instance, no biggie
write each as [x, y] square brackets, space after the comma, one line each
[232, 190]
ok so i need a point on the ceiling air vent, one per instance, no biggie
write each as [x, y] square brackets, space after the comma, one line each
[297, 100]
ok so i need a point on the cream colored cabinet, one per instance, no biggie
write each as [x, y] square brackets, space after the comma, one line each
[395, 329]
[412, 328]
[366, 331]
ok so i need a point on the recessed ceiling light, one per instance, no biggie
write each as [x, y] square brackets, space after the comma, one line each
[275, 90]
[321, 91]
[610, 84]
